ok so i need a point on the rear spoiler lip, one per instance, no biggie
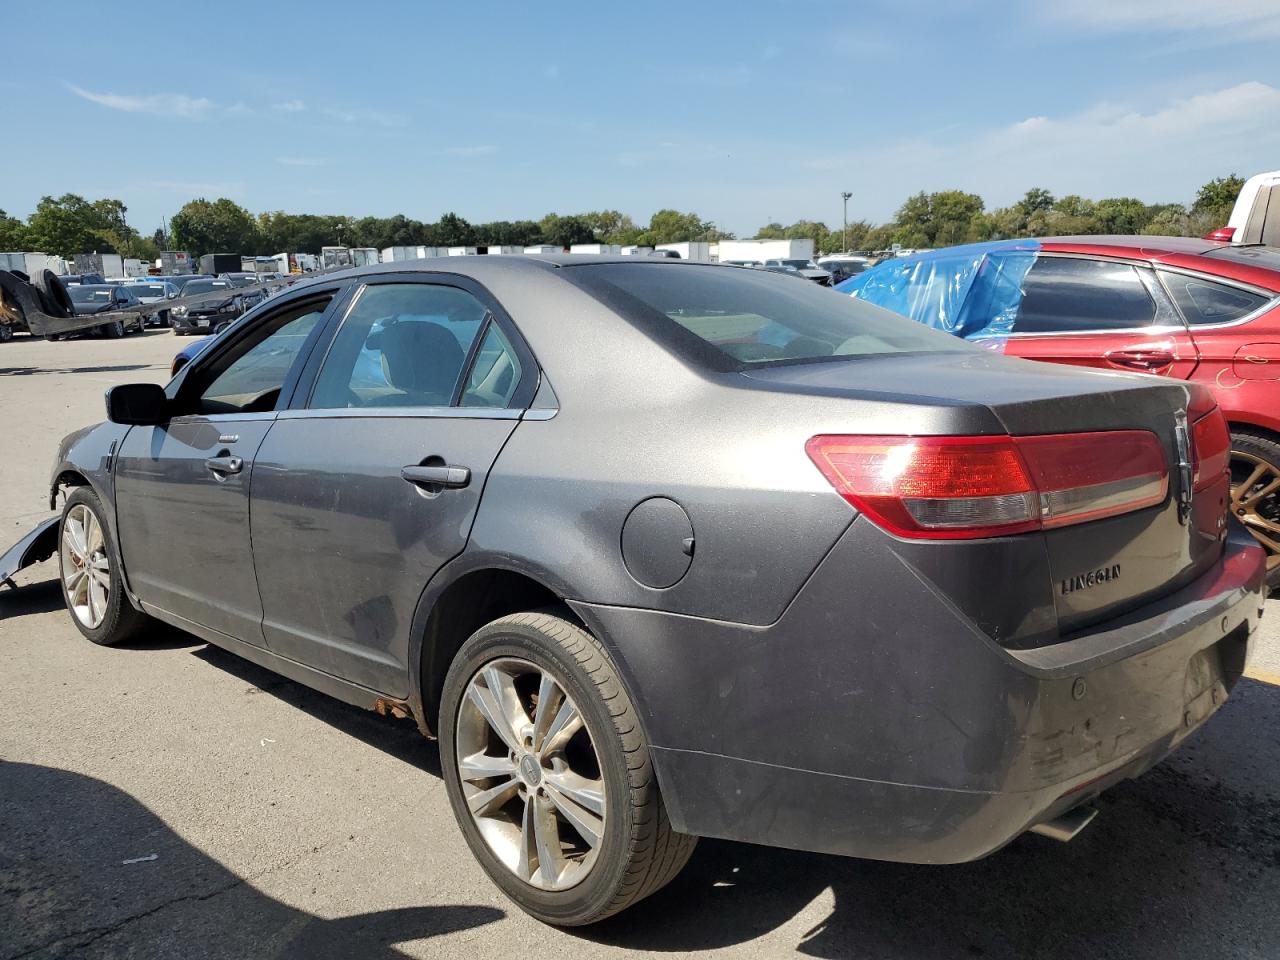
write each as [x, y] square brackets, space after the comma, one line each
[39, 544]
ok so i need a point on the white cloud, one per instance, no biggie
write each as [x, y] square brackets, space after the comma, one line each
[1110, 149]
[289, 106]
[361, 116]
[161, 104]
[1253, 17]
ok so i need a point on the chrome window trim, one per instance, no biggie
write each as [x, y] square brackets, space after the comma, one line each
[1156, 330]
[419, 413]
[221, 417]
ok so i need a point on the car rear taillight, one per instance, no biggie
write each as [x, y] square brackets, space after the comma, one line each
[1210, 450]
[971, 487]
[1222, 233]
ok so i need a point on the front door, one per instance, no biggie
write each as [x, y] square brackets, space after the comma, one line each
[1100, 313]
[371, 484]
[182, 488]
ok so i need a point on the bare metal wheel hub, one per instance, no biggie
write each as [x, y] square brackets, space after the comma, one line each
[86, 570]
[530, 773]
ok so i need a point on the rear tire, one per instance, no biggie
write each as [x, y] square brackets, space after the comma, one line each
[1255, 465]
[637, 852]
[89, 569]
[6, 333]
[114, 331]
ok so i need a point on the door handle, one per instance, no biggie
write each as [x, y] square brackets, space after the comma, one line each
[451, 478]
[224, 465]
[1141, 358]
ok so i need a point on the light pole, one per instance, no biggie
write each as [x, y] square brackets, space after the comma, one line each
[845, 195]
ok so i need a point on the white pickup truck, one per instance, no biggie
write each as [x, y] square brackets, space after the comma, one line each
[1256, 215]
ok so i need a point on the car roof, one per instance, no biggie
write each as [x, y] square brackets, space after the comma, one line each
[1212, 257]
[480, 267]
[1146, 245]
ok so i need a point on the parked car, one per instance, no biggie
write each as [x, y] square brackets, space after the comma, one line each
[1197, 310]
[661, 549]
[154, 290]
[742, 263]
[842, 268]
[1255, 216]
[91, 298]
[806, 268]
[72, 278]
[204, 316]
[241, 279]
[181, 280]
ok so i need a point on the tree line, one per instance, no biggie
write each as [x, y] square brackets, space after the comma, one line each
[71, 224]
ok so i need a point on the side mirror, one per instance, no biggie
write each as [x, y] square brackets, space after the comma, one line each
[142, 404]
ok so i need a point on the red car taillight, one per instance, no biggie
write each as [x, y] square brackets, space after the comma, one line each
[1210, 450]
[1222, 233]
[970, 487]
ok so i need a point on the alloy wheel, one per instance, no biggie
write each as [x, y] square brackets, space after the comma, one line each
[1255, 500]
[86, 569]
[530, 773]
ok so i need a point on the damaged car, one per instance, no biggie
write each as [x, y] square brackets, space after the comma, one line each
[661, 550]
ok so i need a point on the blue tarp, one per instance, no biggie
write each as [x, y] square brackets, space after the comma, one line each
[972, 291]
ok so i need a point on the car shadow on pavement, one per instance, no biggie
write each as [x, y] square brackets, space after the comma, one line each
[25, 600]
[86, 867]
[40, 371]
[398, 738]
[1183, 862]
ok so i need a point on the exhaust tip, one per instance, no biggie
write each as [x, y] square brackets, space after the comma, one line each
[1066, 826]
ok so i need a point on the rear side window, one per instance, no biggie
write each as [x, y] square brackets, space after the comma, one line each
[495, 372]
[1204, 301]
[1065, 295]
[401, 345]
[728, 319]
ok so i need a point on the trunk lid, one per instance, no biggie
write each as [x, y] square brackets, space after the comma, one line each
[1097, 569]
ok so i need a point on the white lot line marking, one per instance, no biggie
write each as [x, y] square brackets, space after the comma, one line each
[154, 856]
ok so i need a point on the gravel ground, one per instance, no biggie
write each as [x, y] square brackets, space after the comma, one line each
[173, 800]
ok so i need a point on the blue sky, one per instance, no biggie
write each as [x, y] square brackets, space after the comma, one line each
[744, 112]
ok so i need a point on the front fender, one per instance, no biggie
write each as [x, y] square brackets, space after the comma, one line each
[88, 452]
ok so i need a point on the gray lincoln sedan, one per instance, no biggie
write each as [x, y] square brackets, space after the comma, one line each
[661, 550]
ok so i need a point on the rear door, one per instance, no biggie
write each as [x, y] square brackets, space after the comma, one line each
[182, 487]
[1096, 312]
[370, 484]
[1234, 350]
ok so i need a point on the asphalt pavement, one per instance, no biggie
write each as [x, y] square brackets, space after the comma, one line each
[172, 800]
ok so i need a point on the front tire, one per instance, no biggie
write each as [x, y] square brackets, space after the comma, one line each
[548, 772]
[89, 568]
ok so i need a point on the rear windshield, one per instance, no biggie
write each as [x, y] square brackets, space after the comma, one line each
[729, 318]
[1250, 256]
[88, 294]
[205, 286]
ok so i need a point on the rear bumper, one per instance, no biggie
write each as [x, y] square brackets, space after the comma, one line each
[873, 720]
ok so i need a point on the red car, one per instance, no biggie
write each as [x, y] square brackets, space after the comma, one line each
[1196, 309]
